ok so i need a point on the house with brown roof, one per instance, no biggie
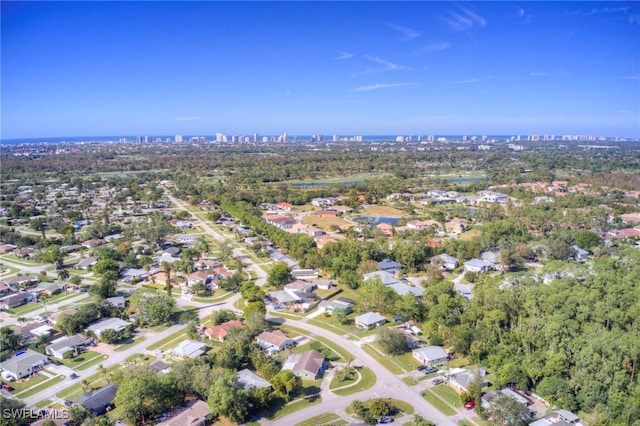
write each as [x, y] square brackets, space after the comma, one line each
[273, 341]
[326, 213]
[308, 364]
[220, 331]
[456, 226]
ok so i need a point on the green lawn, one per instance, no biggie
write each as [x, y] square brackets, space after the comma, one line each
[77, 362]
[322, 419]
[43, 403]
[294, 406]
[384, 360]
[41, 386]
[405, 407]
[442, 406]
[21, 311]
[367, 380]
[213, 299]
[22, 384]
[448, 394]
[126, 346]
[343, 353]
[169, 341]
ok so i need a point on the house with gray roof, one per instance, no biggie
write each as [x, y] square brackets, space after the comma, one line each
[14, 300]
[59, 347]
[309, 364]
[23, 364]
[116, 301]
[385, 277]
[188, 349]
[98, 401]
[448, 262]
[477, 265]
[430, 355]
[403, 288]
[461, 380]
[335, 305]
[390, 266]
[100, 326]
[369, 320]
[247, 379]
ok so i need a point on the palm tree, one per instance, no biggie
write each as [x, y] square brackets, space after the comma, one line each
[167, 270]
[86, 386]
[63, 274]
[203, 245]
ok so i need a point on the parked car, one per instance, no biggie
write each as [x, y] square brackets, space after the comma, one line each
[438, 381]
[385, 419]
[470, 405]
[427, 369]
[6, 387]
[73, 376]
[68, 403]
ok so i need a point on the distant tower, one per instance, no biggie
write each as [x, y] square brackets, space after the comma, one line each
[179, 138]
[336, 138]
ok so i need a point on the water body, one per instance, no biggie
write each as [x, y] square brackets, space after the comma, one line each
[378, 219]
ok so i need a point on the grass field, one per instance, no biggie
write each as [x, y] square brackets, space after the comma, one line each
[388, 363]
[323, 419]
[41, 386]
[448, 394]
[382, 211]
[169, 341]
[442, 406]
[78, 361]
[344, 354]
[367, 379]
[324, 223]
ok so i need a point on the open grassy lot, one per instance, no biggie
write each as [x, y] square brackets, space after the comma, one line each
[448, 394]
[345, 356]
[292, 407]
[322, 419]
[323, 223]
[80, 360]
[442, 406]
[169, 341]
[375, 210]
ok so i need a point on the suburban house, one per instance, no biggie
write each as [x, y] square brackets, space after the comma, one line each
[386, 278]
[21, 281]
[160, 366]
[100, 326]
[273, 341]
[116, 301]
[460, 380]
[370, 320]
[488, 398]
[448, 262]
[456, 226]
[580, 254]
[86, 263]
[14, 300]
[219, 332]
[300, 285]
[198, 277]
[304, 273]
[98, 401]
[389, 266]
[308, 364]
[430, 355]
[558, 418]
[188, 349]
[423, 224]
[477, 265]
[403, 288]
[195, 415]
[300, 301]
[49, 288]
[247, 379]
[54, 318]
[23, 364]
[59, 347]
[331, 306]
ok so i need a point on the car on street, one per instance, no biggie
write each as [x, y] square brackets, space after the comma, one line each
[470, 405]
[68, 403]
[438, 381]
[73, 376]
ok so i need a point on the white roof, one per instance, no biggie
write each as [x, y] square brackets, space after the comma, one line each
[370, 318]
[431, 352]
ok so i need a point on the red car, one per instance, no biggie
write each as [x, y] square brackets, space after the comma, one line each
[470, 405]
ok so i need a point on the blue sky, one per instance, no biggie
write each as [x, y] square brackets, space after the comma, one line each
[162, 68]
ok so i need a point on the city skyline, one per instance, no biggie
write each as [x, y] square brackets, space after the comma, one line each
[352, 68]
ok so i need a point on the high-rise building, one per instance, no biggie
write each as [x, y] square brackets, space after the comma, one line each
[221, 137]
[147, 139]
[336, 138]
[139, 139]
[179, 138]
[256, 137]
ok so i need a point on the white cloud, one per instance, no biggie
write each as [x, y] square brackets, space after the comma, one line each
[436, 46]
[406, 33]
[474, 80]
[343, 56]
[379, 86]
[188, 118]
[538, 74]
[384, 66]
[465, 20]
